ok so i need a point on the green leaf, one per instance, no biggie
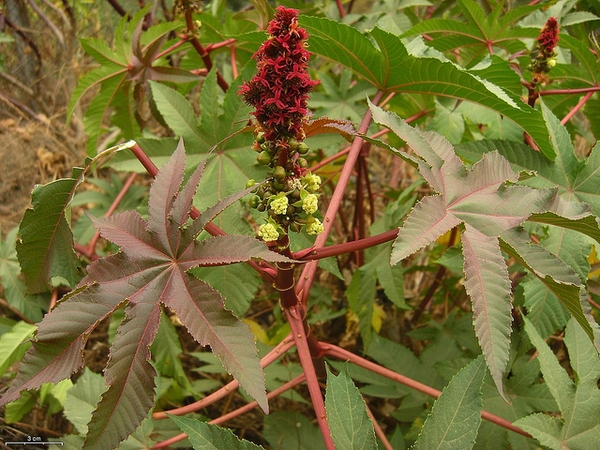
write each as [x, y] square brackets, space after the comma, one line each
[166, 350]
[341, 99]
[456, 414]
[237, 284]
[480, 33]
[14, 344]
[204, 436]
[558, 277]
[15, 290]
[391, 67]
[578, 401]
[177, 112]
[45, 248]
[82, 399]
[351, 427]
[361, 297]
[286, 430]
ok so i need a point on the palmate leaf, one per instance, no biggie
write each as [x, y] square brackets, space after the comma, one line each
[481, 200]
[480, 32]
[578, 400]
[150, 272]
[390, 66]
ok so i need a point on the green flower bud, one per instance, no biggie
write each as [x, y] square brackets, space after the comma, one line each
[303, 148]
[264, 158]
[279, 173]
[254, 201]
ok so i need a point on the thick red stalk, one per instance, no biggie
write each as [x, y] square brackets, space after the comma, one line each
[576, 108]
[295, 316]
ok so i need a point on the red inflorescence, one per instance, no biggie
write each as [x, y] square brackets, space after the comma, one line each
[549, 36]
[279, 91]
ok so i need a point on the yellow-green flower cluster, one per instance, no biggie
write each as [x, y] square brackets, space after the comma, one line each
[314, 226]
[279, 205]
[312, 181]
[290, 204]
[310, 204]
[268, 232]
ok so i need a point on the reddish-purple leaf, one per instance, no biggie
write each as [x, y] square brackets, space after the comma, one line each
[200, 308]
[489, 287]
[163, 192]
[486, 201]
[150, 271]
[128, 230]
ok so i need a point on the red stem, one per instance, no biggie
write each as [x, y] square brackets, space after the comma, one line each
[295, 316]
[269, 358]
[570, 91]
[173, 47]
[189, 21]
[312, 254]
[238, 412]
[577, 107]
[308, 274]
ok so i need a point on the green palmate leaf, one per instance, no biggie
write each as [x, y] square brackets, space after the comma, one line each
[361, 295]
[149, 272]
[177, 112]
[456, 414]
[482, 199]
[341, 99]
[481, 34]
[578, 401]
[351, 427]
[45, 248]
[391, 67]
[204, 436]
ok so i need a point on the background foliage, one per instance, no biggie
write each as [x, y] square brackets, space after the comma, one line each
[461, 193]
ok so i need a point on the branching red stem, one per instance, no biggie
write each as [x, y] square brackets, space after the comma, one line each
[269, 358]
[238, 412]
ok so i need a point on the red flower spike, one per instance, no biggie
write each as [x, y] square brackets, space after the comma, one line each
[542, 56]
[279, 91]
[549, 36]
